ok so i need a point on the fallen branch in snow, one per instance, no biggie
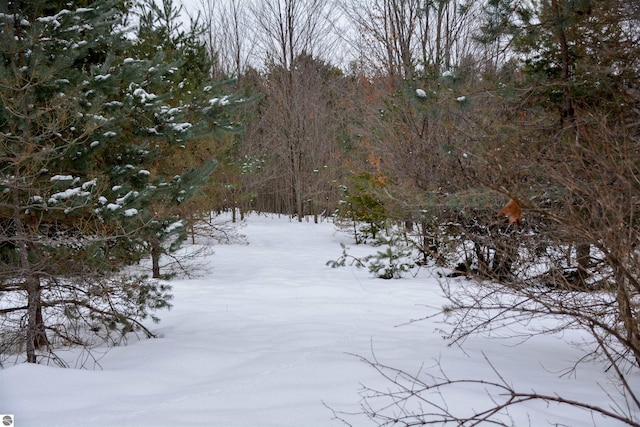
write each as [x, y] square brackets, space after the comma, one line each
[412, 401]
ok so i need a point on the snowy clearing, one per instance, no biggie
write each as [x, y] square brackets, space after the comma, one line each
[268, 336]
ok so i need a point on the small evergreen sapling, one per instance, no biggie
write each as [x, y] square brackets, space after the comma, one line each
[392, 263]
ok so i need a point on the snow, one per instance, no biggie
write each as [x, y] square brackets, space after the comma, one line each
[421, 93]
[170, 111]
[219, 101]
[181, 127]
[67, 194]
[98, 118]
[144, 95]
[122, 200]
[113, 104]
[174, 226]
[61, 178]
[268, 335]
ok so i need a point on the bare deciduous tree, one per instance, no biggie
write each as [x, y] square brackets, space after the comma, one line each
[296, 131]
[297, 136]
[404, 36]
[289, 28]
[228, 36]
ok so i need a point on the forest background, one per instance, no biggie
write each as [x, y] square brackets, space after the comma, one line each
[122, 132]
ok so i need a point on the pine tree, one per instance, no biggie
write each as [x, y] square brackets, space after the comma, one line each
[82, 122]
[200, 117]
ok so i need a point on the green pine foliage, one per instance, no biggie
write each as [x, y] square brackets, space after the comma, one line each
[361, 208]
[198, 115]
[84, 120]
[395, 261]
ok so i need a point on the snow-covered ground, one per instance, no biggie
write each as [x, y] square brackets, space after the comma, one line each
[268, 335]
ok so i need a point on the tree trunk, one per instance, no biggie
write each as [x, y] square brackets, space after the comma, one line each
[31, 322]
[628, 315]
[568, 113]
[298, 192]
[156, 252]
[36, 332]
[583, 258]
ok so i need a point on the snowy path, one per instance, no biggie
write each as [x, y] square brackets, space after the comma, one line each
[267, 336]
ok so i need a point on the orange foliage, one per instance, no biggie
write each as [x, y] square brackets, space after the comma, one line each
[513, 211]
[376, 162]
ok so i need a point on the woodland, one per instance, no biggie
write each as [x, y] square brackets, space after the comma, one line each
[497, 138]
